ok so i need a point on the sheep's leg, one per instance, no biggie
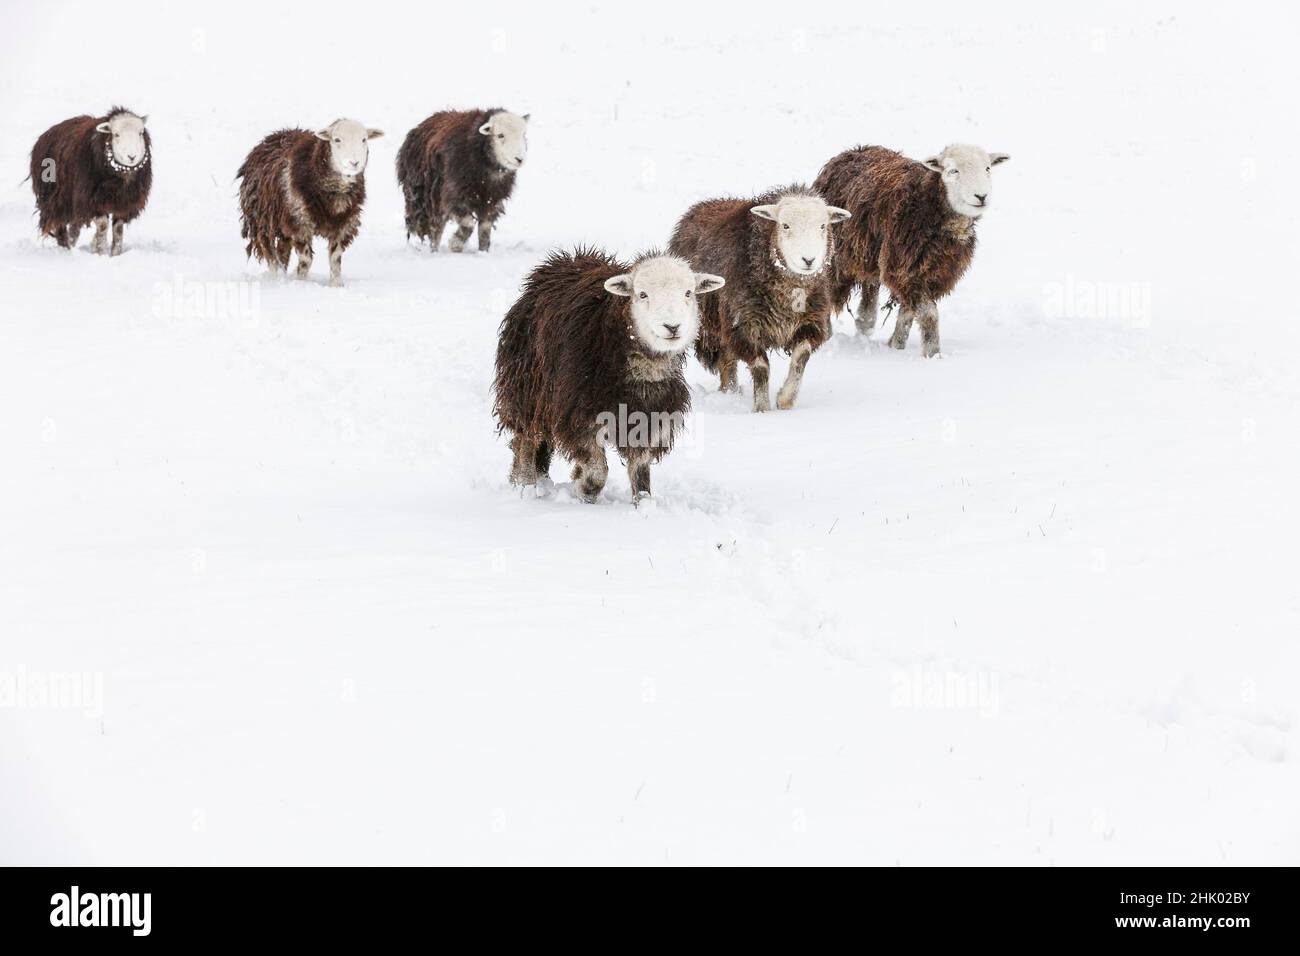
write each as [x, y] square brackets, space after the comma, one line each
[638, 473]
[591, 472]
[305, 255]
[464, 226]
[727, 374]
[789, 392]
[336, 262]
[62, 236]
[929, 316]
[524, 469]
[485, 234]
[119, 227]
[437, 226]
[902, 326]
[99, 245]
[865, 319]
[758, 371]
[542, 460]
[280, 249]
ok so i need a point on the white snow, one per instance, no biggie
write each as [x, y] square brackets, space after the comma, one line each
[1032, 602]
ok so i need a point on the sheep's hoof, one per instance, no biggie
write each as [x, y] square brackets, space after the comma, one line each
[455, 245]
[896, 344]
[644, 502]
[785, 402]
[762, 406]
[336, 282]
[929, 349]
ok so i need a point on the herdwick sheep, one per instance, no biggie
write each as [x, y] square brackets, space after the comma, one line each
[297, 184]
[776, 251]
[462, 166]
[90, 169]
[593, 353]
[913, 231]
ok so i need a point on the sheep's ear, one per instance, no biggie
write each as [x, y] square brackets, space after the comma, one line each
[935, 163]
[619, 285]
[704, 282]
[102, 128]
[837, 214]
[995, 158]
[764, 212]
[486, 128]
[144, 120]
[374, 133]
[323, 134]
[527, 117]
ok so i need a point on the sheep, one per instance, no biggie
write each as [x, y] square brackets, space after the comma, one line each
[88, 169]
[462, 166]
[297, 184]
[593, 353]
[914, 232]
[776, 251]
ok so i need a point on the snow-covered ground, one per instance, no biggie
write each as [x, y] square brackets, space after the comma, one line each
[1033, 602]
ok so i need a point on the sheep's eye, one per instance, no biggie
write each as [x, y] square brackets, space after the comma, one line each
[785, 225]
[642, 295]
[337, 139]
[688, 293]
[501, 135]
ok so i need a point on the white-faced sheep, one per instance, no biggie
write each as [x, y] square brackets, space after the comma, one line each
[593, 353]
[297, 184]
[913, 230]
[92, 169]
[461, 166]
[776, 251]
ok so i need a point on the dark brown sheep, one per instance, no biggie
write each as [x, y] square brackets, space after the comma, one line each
[90, 169]
[776, 251]
[297, 184]
[461, 166]
[592, 353]
[913, 230]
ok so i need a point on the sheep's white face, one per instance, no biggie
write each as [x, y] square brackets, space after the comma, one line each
[967, 177]
[508, 135]
[349, 146]
[803, 230]
[665, 314]
[125, 133]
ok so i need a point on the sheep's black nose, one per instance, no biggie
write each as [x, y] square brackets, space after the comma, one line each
[981, 196]
[519, 159]
[131, 159]
[807, 262]
[671, 330]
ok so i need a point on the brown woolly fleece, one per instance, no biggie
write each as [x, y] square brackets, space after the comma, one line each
[763, 305]
[447, 171]
[317, 200]
[903, 233]
[567, 354]
[84, 186]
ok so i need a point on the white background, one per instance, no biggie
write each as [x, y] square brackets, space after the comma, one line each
[327, 629]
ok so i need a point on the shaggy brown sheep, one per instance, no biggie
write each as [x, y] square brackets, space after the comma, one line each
[592, 353]
[462, 166]
[296, 185]
[776, 251]
[913, 230]
[88, 169]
